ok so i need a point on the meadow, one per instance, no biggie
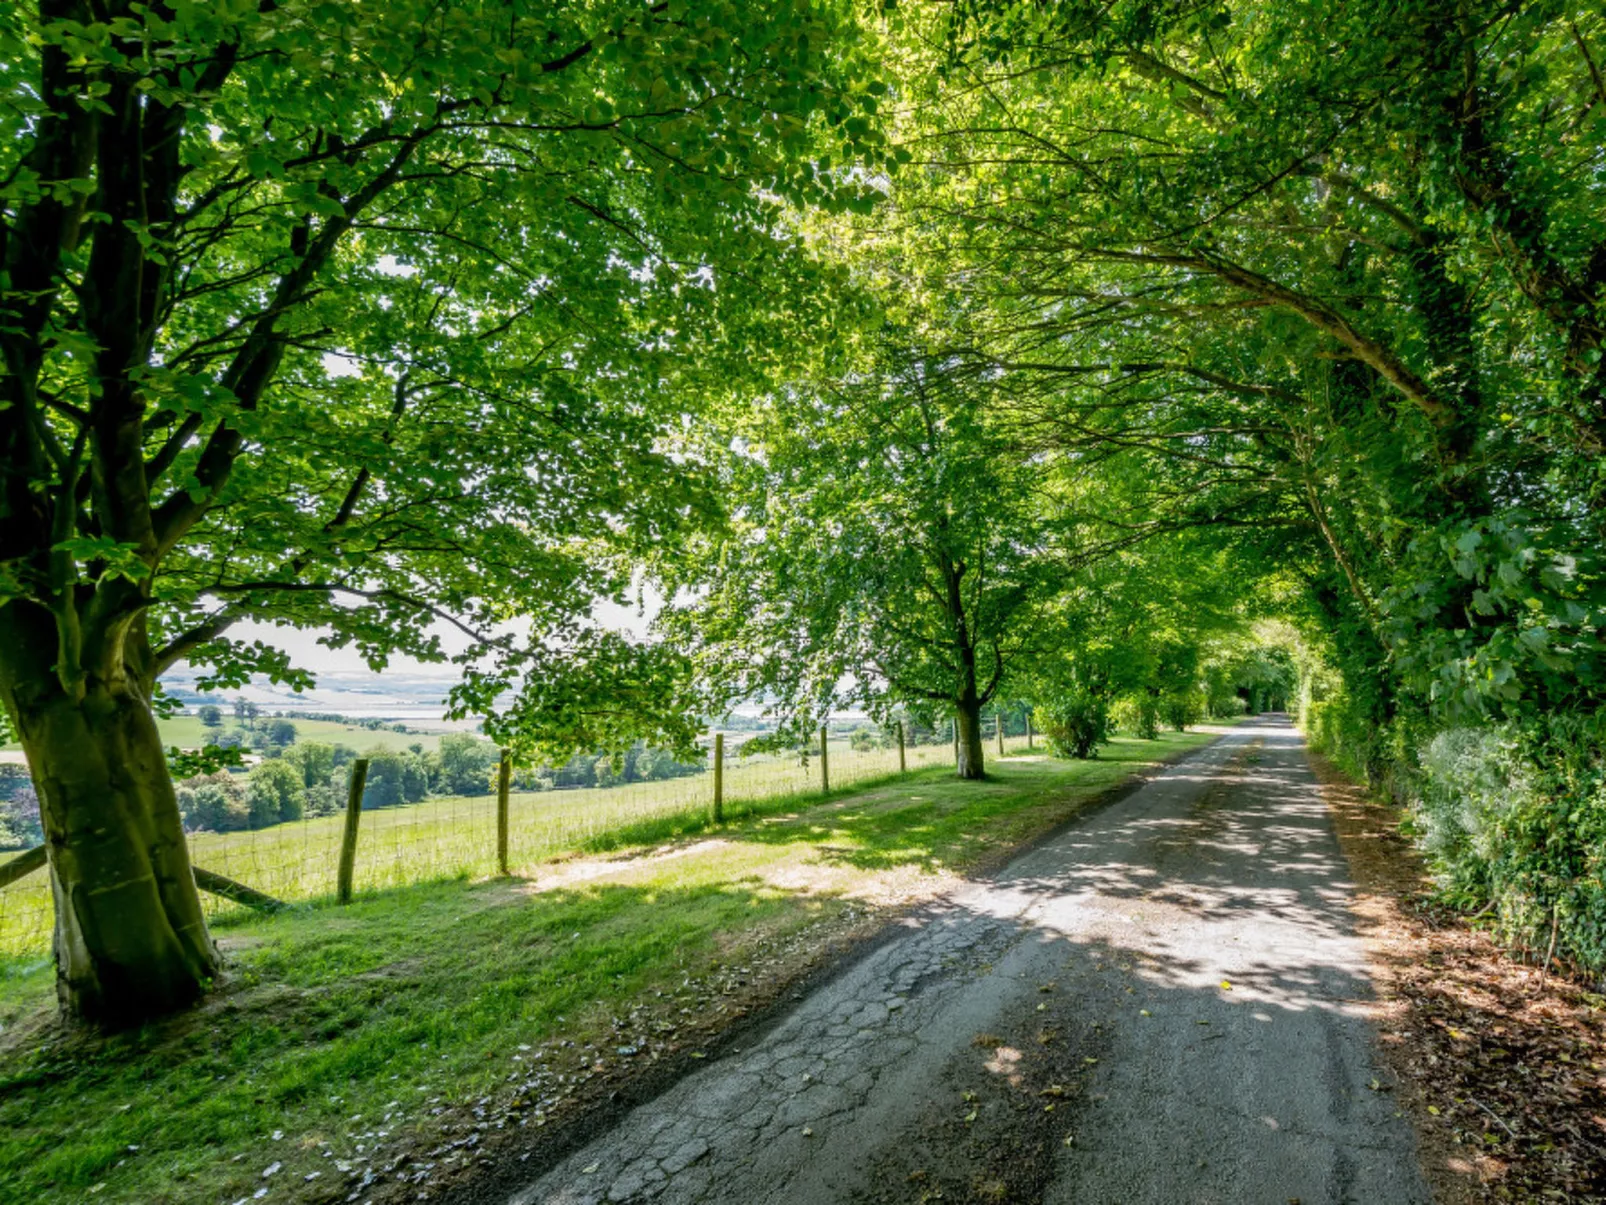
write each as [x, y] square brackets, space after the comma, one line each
[451, 836]
[187, 732]
[348, 1040]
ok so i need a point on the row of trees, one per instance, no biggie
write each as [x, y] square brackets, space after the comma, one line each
[923, 357]
[313, 779]
[1324, 290]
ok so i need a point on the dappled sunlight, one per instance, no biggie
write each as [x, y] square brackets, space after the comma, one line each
[1251, 862]
[1172, 986]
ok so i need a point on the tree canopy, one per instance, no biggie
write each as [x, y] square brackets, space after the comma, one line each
[1132, 359]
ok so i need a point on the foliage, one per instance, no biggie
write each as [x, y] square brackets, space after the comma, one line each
[1182, 709]
[20, 826]
[1516, 815]
[1075, 724]
[213, 756]
[1138, 714]
[214, 802]
[1328, 283]
[278, 734]
[395, 778]
[887, 551]
[274, 793]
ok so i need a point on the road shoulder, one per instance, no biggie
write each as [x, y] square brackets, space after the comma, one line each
[1501, 1068]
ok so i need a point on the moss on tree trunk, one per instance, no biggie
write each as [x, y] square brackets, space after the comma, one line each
[971, 765]
[131, 942]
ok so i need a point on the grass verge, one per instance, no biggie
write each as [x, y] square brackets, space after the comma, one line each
[391, 1048]
[1500, 1065]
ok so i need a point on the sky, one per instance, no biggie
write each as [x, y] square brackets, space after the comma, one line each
[347, 663]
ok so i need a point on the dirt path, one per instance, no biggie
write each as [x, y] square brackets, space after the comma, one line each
[1166, 1003]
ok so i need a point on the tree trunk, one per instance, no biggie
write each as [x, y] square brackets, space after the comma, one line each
[130, 940]
[968, 712]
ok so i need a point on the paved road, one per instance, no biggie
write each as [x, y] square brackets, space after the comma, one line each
[1164, 1004]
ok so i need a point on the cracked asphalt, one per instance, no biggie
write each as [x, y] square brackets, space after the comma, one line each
[1164, 1003]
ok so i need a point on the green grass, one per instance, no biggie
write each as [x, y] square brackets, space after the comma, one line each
[420, 999]
[456, 835]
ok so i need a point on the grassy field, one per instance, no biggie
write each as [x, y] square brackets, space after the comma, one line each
[187, 732]
[396, 1029]
[456, 835]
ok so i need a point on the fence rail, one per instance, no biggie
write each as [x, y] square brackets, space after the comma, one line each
[300, 861]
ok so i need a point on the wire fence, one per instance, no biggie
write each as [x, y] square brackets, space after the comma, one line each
[451, 836]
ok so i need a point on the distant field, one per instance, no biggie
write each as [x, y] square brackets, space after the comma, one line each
[456, 835]
[187, 732]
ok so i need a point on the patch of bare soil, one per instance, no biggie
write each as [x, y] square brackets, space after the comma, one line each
[1502, 1067]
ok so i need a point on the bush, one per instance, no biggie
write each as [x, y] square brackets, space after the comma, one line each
[1139, 715]
[464, 764]
[862, 740]
[1514, 816]
[274, 793]
[1075, 723]
[1181, 710]
[325, 799]
[20, 823]
[214, 803]
[1226, 706]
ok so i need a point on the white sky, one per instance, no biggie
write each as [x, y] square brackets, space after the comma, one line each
[304, 649]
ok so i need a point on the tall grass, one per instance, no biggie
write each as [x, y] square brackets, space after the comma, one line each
[456, 836]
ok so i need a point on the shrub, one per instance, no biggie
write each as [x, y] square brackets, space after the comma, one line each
[1181, 709]
[1514, 816]
[1139, 715]
[214, 803]
[274, 794]
[20, 825]
[325, 799]
[1076, 723]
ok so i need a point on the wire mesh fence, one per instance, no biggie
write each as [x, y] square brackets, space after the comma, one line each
[452, 836]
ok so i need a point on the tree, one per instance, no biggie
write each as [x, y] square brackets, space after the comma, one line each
[211, 715]
[314, 759]
[274, 794]
[1351, 267]
[367, 317]
[214, 803]
[464, 763]
[279, 734]
[383, 786]
[1338, 272]
[891, 549]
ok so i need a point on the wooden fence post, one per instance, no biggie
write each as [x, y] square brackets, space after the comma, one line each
[504, 776]
[1028, 727]
[825, 760]
[999, 732]
[348, 839]
[903, 766]
[719, 778]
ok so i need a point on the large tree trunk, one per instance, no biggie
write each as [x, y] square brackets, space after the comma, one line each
[131, 942]
[968, 713]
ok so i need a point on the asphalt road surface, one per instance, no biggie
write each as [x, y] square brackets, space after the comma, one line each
[1166, 1003]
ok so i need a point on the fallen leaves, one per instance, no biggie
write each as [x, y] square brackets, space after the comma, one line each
[1509, 1054]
